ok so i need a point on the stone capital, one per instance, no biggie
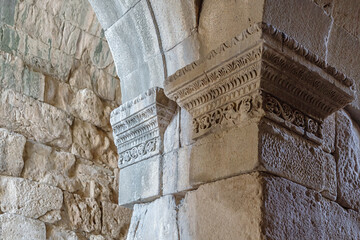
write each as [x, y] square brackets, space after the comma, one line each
[262, 72]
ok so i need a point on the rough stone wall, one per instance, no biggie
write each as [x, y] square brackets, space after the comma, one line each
[57, 158]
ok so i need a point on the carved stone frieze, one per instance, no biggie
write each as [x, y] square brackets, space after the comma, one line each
[139, 126]
[260, 73]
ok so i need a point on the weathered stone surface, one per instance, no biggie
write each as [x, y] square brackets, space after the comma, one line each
[89, 107]
[348, 160]
[35, 120]
[45, 164]
[93, 144]
[28, 198]
[183, 54]
[218, 156]
[156, 220]
[54, 233]
[39, 24]
[288, 155]
[16, 76]
[21, 228]
[228, 209]
[96, 181]
[289, 204]
[329, 134]
[84, 214]
[140, 182]
[235, 15]
[310, 26]
[115, 220]
[346, 14]
[176, 170]
[174, 28]
[11, 153]
[7, 12]
[58, 94]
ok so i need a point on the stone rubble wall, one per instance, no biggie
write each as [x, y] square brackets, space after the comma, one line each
[58, 85]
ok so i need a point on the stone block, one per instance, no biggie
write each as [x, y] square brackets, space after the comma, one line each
[7, 12]
[96, 181]
[290, 156]
[289, 204]
[115, 220]
[152, 70]
[39, 24]
[262, 146]
[21, 228]
[35, 120]
[70, 38]
[93, 144]
[58, 94]
[175, 27]
[14, 75]
[89, 108]
[228, 209]
[172, 133]
[10, 40]
[346, 15]
[132, 50]
[310, 26]
[224, 154]
[11, 153]
[347, 156]
[176, 169]
[235, 15]
[156, 220]
[329, 134]
[140, 182]
[28, 198]
[182, 54]
[83, 214]
[46, 165]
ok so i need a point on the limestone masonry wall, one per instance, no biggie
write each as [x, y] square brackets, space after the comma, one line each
[58, 162]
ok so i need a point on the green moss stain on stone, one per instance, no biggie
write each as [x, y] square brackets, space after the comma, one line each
[97, 53]
[32, 83]
[7, 11]
[9, 40]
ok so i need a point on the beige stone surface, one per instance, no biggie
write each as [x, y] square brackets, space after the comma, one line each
[54, 233]
[228, 209]
[115, 220]
[11, 153]
[28, 198]
[45, 164]
[224, 154]
[21, 228]
[35, 120]
[348, 160]
[156, 220]
[346, 14]
[84, 214]
[303, 20]
[89, 107]
[92, 143]
[140, 181]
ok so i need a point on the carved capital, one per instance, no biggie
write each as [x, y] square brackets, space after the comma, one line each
[139, 126]
[260, 73]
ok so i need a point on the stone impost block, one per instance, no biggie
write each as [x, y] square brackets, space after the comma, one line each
[139, 126]
[261, 72]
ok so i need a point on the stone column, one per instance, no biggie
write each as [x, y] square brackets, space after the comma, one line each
[257, 161]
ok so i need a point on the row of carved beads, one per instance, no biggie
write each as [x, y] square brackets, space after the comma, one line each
[291, 115]
[229, 112]
[137, 151]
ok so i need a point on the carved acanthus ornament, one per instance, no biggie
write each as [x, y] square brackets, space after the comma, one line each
[139, 126]
[262, 73]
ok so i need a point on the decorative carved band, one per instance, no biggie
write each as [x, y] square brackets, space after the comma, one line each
[139, 126]
[292, 118]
